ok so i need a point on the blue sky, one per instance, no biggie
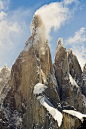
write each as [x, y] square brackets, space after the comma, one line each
[62, 18]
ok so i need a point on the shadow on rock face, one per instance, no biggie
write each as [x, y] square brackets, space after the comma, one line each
[83, 125]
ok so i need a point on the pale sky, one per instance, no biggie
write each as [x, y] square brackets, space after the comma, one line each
[62, 18]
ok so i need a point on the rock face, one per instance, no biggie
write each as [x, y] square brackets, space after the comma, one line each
[61, 69]
[84, 69]
[73, 120]
[4, 77]
[33, 65]
[84, 81]
[64, 63]
[4, 88]
[35, 93]
[74, 67]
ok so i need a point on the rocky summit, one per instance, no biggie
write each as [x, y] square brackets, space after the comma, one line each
[36, 94]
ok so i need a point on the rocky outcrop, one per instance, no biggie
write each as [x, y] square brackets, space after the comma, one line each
[84, 81]
[4, 87]
[73, 120]
[69, 91]
[3, 121]
[4, 76]
[61, 69]
[74, 67]
[84, 69]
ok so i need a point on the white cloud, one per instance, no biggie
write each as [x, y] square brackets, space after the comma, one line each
[4, 4]
[78, 38]
[55, 14]
[80, 51]
[82, 6]
[66, 2]
[1, 5]
[78, 42]
[13, 31]
[12, 25]
[2, 15]
[6, 30]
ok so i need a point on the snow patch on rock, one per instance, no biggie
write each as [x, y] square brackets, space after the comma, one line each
[39, 88]
[50, 108]
[72, 81]
[76, 114]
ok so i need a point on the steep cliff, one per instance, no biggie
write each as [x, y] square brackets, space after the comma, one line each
[84, 80]
[4, 87]
[61, 69]
[37, 94]
[69, 91]
[74, 67]
[33, 65]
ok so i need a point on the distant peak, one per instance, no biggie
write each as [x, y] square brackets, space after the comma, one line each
[60, 42]
[5, 66]
[70, 51]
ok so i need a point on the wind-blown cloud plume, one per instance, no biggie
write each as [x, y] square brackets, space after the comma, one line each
[55, 14]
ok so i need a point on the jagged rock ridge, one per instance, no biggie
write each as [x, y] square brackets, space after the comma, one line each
[60, 86]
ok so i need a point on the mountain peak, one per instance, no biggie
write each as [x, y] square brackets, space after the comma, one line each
[39, 93]
[70, 51]
[36, 24]
[60, 42]
[4, 68]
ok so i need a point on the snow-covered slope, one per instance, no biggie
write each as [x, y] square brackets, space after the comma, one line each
[75, 113]
[38, 89]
